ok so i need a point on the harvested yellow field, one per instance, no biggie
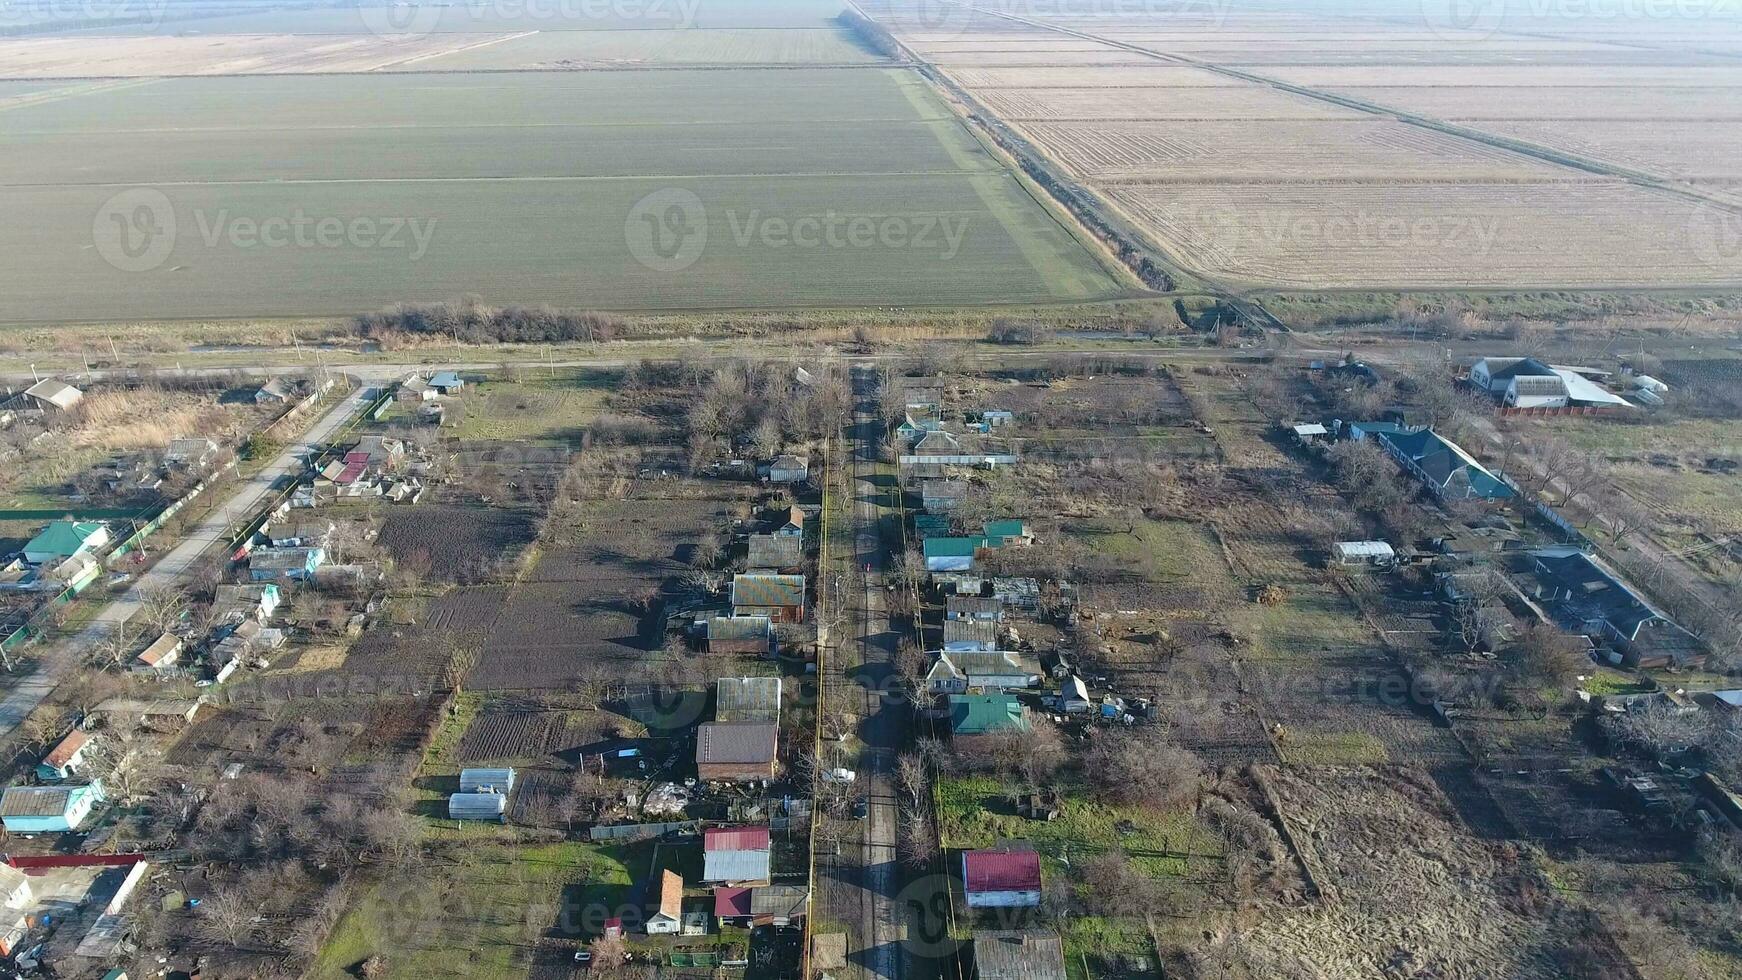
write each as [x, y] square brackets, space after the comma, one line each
[1143, 76]
[1488, 102]
[1368, 148]
[229, 54]
[1232, 102]
[1617, 77]
[1099, 56]
[1672, 150]
[1450, 235]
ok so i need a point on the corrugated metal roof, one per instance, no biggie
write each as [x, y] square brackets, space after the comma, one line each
[738, 628]
[981, 631]
[1026, 955]
[735, 839]
[1001, 871]
[747, 699]
[736, 742]
[762, 591]
[775, 551]
[731, 902]
[735, 866]
[35, 801]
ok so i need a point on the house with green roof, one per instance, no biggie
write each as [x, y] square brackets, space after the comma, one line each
[952, 554]
[64, 539]
[1008, 531]
[986, 714]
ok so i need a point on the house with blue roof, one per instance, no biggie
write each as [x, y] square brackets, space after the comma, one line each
[1439, 463]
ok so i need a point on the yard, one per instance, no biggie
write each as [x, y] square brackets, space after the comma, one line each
[480, 911]
[532, 408]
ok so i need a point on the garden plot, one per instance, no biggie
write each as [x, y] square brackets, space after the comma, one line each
[598, 601]
[1409, 889]
[450, 543]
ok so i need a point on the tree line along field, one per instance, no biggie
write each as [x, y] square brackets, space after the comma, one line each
[1284, 128]
[524, 186]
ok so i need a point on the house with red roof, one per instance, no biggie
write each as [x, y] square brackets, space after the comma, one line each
[66, 759]
[1001, 879]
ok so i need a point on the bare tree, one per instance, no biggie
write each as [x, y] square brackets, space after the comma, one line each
[1546, 653]
[1143, 767]
[163, 607]
[227, 916]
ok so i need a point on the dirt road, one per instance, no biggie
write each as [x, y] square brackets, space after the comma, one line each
[884, 730]
[172, 569]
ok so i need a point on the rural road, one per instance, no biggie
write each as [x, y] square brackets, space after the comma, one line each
[170, 570]
[883, 731]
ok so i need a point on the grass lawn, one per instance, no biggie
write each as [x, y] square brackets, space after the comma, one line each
[1305, 625]
[552, 409]
[976, 814]
[1167, 551]
[1333, 749]
[481, 917]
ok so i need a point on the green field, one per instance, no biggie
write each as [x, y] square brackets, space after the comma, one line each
[519, 187]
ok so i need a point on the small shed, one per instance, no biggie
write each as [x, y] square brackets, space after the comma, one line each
[447, 382]
[51, 394]
[487, 781]
[741, 635]
[1001, 879]
[747, 699]
[942, 496]
[14, 887]
[1367, 554]
[666, 916]
[1028, 954]
[1310, 433]
[67, 758]
[478, 806]
[793, 525]
[163, 653]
